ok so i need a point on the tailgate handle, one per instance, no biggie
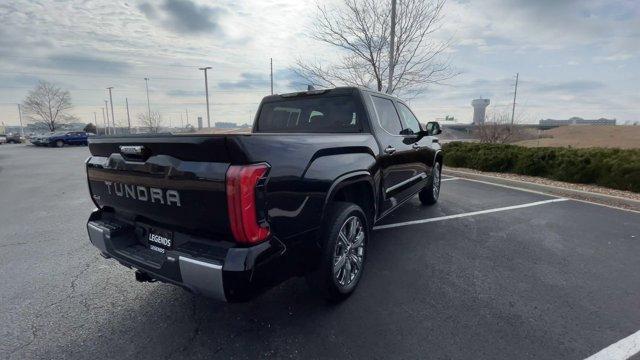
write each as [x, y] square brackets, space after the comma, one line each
[134, 152]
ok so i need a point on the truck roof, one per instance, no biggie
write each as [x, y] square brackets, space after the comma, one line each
[340, 90]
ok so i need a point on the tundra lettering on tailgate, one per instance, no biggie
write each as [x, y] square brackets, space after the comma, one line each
[143, 193]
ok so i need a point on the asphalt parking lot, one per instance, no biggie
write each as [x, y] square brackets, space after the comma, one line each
[487, 273]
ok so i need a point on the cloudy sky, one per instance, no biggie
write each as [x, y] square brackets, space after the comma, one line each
[575, 58]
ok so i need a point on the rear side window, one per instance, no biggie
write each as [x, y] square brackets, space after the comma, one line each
[387, 115]
[331, 114]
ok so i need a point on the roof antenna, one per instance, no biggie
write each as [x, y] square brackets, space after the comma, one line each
[310, 88]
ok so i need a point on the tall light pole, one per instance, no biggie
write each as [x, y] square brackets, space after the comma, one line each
[126, 100]
[106, 108]
[104, 122]
[392, 45]
[206, 90]
[146, 83]
[113, 115]
[271, 76]
[515, 92]
[20, 117]
[95, 121]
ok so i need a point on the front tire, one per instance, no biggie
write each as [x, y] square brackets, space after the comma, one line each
[59, 143]
[343, 242]
[431, 192]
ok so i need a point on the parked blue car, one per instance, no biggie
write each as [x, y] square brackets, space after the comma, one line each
[61, 139]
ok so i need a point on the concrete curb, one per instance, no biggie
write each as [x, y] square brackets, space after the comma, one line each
[602, 199]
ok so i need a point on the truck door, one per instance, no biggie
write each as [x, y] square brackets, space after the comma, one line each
[401, 173]
[423, 146]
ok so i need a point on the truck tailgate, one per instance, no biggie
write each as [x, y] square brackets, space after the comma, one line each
[171, 181]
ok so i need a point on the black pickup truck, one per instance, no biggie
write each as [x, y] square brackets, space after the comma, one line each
[231, 215]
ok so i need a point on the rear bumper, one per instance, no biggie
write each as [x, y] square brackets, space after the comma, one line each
[215, 269]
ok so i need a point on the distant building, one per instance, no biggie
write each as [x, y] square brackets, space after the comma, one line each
[576, 121]
[38, 128]
[73, 127]
[225, 125]
[446, 118]
[10, 129]
[199, 122]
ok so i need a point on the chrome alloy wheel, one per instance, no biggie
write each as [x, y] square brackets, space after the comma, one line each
[349, 252]
[436, 181]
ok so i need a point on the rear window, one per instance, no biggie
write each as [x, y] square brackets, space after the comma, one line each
[329, 114]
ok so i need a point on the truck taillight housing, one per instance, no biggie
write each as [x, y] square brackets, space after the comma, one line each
[242, 182]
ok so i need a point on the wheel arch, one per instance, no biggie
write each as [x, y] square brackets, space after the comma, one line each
[438, 158]
[356, 187]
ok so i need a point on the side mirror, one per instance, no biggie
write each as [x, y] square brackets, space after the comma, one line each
[433, 128]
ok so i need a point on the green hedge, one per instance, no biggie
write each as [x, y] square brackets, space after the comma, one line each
[613, 168]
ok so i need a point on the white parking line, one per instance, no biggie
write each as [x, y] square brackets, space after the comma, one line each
[447, 179]
[511, 187]
[448, 217]
[623, 349]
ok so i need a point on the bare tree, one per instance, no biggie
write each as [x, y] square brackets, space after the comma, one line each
[498, 129]
[150, 122]
[361, 29]
[90, 128]
[48, 105]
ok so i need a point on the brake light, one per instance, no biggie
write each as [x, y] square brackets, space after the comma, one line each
[241, 203]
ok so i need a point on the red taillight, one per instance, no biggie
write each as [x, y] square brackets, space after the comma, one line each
[241, 202]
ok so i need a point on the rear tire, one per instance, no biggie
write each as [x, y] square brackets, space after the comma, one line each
[431, 192]
[343, 241]
[59, 143]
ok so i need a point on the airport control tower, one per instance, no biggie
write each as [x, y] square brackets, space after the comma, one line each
[479, 107]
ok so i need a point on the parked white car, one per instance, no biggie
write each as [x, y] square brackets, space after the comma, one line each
[3, 139]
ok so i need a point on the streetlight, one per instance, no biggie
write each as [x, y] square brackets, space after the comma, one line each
[106, 107]
[146, 83]
[113, 115]
[104, 123]
[206, 89]
[20, 117]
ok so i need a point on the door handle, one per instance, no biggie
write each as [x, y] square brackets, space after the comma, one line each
[416, 146]
[390, 149]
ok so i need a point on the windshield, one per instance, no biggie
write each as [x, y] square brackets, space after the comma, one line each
[328, 114]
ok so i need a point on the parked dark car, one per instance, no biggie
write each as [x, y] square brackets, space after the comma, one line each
[61, 139]
[230, 215]
[14, 138]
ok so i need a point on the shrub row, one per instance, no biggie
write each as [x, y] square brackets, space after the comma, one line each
[613, 168]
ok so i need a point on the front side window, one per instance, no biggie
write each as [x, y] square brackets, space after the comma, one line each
[409, 120]
[329, 114]
[387, 115]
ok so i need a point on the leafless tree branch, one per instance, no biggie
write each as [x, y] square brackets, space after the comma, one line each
[498, 129]
[150, 122]
[48, 104]
[361, 30]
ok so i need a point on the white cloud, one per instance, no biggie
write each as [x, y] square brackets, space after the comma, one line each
[87, 46]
